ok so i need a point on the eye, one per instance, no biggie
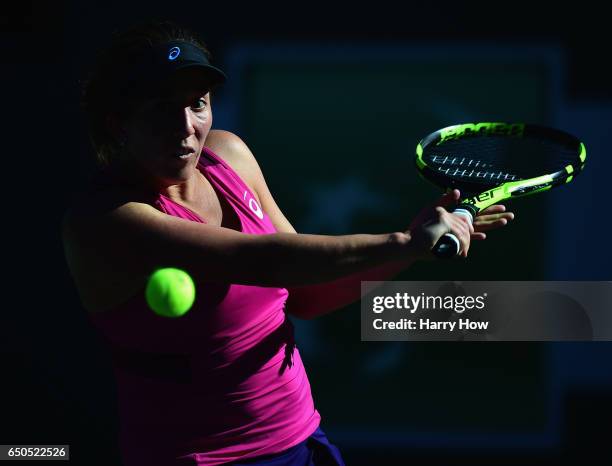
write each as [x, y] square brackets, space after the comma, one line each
[199, 104]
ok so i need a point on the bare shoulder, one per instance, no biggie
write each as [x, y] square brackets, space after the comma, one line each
[229, 145]
[234, 151]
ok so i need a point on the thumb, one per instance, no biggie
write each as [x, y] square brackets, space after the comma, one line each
[448, 198]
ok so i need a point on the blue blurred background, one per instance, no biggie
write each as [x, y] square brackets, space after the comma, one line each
[332, 100]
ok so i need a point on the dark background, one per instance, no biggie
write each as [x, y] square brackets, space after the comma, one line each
[472, 403]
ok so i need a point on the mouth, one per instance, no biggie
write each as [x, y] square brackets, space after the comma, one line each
[183, 152]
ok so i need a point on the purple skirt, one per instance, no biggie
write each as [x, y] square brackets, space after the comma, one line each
[316, 450]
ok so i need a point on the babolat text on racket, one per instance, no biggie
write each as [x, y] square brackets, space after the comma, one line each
[492, 162]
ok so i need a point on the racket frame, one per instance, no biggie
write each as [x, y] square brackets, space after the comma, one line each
[503, 190]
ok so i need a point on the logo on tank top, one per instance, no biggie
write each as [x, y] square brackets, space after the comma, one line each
[253, 206]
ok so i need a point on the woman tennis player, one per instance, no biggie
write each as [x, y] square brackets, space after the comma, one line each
[224, 383]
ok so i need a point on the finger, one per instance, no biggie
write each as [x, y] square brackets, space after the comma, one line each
[465, 242]
[484, 223]
[451, 224]
[449, 198]
[493, 221]
[461, 230]
[494, 209]
[478, 236]
[470, 226]
[491, 217]
[466, 238]
[491, 225]
[461, 222]
[459, 226]
[466, 222]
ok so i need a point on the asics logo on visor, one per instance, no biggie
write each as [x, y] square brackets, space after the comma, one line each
[174, 53]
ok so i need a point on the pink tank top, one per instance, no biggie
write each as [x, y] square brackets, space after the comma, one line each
[222, 383]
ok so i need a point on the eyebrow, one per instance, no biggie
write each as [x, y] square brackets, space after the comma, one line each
[176, 97]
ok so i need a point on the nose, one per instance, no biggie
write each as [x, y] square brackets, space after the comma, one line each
[184, 123]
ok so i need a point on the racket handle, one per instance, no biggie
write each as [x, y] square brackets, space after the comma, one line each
[448, 246]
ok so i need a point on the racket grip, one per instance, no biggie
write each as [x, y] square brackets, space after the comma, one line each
[448, 245]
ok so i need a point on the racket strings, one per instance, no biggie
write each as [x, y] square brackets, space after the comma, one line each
[475, 174]
[469, 168]
[498, 159]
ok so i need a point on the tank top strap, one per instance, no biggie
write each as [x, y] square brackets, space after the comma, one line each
[227, 178]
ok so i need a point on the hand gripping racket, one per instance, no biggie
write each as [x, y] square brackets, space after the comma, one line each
[496, 161]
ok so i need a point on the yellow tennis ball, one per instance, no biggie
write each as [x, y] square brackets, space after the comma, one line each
[170, 292]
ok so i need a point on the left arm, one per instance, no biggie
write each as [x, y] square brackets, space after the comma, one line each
[307, 302]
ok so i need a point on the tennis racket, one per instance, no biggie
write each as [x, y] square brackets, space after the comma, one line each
[491, 162]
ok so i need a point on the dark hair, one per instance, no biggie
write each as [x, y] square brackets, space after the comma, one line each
[101, 95]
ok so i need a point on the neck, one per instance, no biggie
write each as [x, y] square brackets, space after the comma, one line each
[185, 192]
[135, 177]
